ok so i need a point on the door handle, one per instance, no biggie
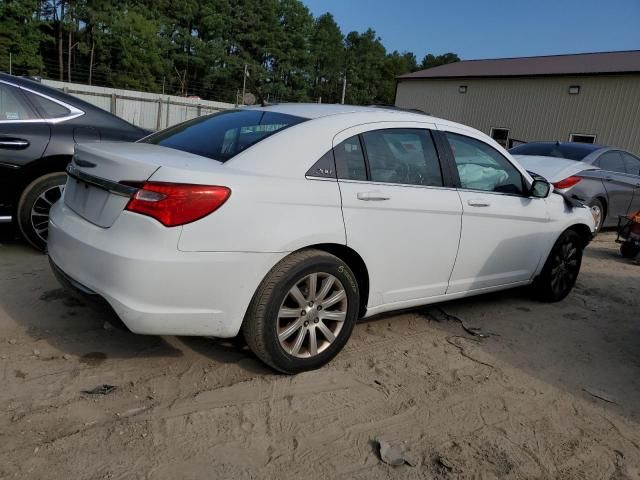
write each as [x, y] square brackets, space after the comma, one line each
[373, 196]
[476, 202]
[608, 179]
[14, 143]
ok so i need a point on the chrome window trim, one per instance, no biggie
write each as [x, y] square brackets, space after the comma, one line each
[388, 184]
[326, 179]
[434, 187]
[103, 183]
[73, 111]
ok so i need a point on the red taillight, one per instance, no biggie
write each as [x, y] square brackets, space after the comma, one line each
[174, 204]
[567, 182]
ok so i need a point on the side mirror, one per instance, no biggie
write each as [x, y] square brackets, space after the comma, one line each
[540, 188]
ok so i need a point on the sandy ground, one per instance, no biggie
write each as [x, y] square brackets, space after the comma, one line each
[515, 404]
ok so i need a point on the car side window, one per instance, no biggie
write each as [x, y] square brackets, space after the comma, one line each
[350, 159]
[47, 108]
[324, 167]
[13, 105]
[481, 167]
[632, 164]
[612, 162]
[405, 156]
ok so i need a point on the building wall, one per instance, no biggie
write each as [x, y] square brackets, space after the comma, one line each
[536, 108]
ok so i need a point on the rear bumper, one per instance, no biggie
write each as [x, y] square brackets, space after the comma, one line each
[153, 287]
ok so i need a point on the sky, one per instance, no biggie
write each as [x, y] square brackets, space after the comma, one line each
[491, 28]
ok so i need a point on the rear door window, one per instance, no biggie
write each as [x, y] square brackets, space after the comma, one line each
[13, 106]
[47, 108]
[405, 156]
[612, 162]
[632, 164]
[223, 135]
[350, 159]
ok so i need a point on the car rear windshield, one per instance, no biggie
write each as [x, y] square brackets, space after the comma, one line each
[558, 150]
[223, 135]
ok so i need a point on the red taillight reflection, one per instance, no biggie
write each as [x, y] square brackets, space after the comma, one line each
[174, 204]
[567, 182]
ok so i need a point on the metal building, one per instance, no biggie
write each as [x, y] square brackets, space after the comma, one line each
[590, 97]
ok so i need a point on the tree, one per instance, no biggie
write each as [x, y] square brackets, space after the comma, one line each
[20, 36]
[396, 64]
[201, 47]
[292, 58]
[327, 59]
[430, 60]
[365, 59]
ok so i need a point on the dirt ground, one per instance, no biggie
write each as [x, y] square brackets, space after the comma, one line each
[552, 392]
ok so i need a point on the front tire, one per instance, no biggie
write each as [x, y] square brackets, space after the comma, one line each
[303, 312]
[34, 205]
[561, 269]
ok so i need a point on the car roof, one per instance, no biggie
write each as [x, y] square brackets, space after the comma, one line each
[65, 98]
[320, 110]
[40, 88]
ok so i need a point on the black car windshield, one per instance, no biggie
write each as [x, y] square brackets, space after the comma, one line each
[223, 135]
[570, 151]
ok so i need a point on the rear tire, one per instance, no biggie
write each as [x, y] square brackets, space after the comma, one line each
[561, 269]
[303, 312]
[598, 211]
[34, 205]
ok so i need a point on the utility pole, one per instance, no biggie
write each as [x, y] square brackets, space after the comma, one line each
[344, 87]
[244, 82]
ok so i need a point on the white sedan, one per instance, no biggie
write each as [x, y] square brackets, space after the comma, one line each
[290, 222]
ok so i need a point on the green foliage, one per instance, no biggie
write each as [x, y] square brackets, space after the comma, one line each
[21, 35]
[430, 61]
[201, 47]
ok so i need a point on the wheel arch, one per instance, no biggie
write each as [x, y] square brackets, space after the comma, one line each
[355, 263]
[583, 231]
[43, 166]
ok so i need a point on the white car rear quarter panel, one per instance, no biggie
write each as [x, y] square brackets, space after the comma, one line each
[153, 287]
[272, 207]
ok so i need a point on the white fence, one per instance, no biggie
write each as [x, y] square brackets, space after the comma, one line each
[146, 110]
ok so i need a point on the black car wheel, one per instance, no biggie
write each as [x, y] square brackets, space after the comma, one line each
[303, 312]
[629, 250]
[561, 269]
[34, 205]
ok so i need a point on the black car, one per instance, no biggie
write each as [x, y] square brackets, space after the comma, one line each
[39, 127]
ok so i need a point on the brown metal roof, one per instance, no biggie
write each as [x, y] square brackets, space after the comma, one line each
[577, 64]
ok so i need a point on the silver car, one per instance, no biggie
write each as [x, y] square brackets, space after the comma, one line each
[605, 178]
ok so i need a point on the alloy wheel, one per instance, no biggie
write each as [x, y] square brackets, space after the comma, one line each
[565, 267]
[40, 210]
[312, 315]
[596, 212]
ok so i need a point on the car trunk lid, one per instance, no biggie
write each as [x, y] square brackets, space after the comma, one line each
[552, 168]
[102, 177]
